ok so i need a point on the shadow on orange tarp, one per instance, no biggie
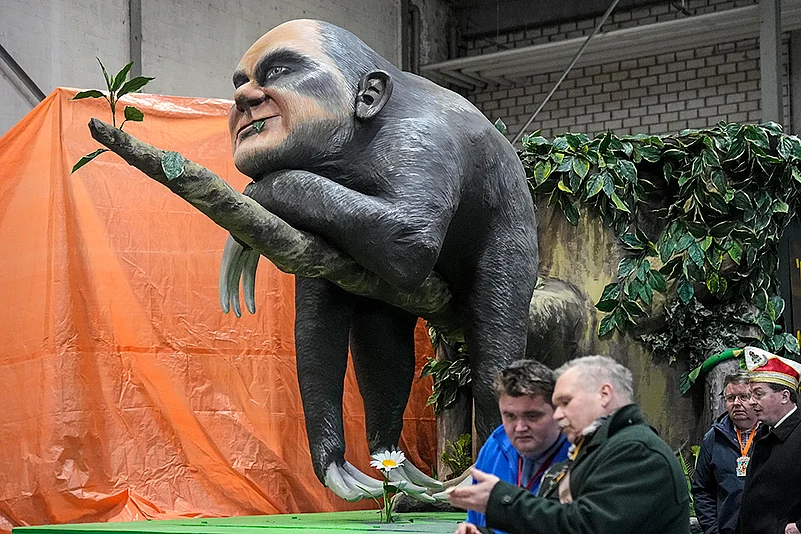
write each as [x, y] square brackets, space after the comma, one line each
[125, 393]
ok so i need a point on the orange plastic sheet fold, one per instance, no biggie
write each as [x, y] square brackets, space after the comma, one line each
[125, 393]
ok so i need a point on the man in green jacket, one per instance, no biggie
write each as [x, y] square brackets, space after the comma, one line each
[622, 479]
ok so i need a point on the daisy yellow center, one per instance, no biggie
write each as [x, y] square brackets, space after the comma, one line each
[389, 463]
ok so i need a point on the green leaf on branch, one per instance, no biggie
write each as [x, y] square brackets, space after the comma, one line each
[172, 163]
[133, 114]
[119, 78]
[92, 93]
[87, 158]
[133, 85]
[581, 166]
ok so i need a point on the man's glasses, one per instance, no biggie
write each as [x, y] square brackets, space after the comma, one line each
[742, 397]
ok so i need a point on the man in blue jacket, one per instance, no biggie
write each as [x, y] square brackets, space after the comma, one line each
[719, 475]
[529, 441]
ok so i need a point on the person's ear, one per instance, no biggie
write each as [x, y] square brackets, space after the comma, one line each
[606, 395]
[375, 88]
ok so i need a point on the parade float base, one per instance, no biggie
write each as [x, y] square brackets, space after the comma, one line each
[359, 521]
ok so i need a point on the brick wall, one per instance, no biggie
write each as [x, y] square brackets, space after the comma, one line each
[689, 88]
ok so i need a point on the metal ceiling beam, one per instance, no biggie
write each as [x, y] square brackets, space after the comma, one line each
[618, 45]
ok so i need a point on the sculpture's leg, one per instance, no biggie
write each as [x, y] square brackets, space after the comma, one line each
[323, 315]
[497, 316]
[382, 344]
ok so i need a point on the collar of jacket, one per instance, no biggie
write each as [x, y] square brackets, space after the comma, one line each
[725, 426]
[624, 417]
[787, 427]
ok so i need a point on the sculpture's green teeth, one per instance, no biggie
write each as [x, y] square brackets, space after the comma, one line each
[258, 125]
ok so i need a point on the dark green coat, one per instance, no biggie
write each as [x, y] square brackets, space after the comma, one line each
[625, 480]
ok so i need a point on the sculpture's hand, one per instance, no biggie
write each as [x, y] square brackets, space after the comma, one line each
[237, 262]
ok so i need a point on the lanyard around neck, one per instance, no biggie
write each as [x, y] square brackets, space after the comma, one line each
[545, 465]
[744, 450]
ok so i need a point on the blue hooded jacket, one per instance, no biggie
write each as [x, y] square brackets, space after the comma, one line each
[499, 457]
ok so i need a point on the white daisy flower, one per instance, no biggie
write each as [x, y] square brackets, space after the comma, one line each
[387, 460]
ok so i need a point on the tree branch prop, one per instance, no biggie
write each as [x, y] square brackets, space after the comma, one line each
[291, 250]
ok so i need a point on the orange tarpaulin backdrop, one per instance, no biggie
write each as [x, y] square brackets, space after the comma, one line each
[125, 393]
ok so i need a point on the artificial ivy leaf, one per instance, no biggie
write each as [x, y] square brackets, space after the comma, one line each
[581, 166]
[619, 203]
[705, 243]
[576, 141]
[710, 159]
[606, 326]
[120, 76]
[770, 310]
[560, 143]
[684, 242]
[133, 114]
[594, 185]
[610, 292]
[605, 142]
[765, 324]
[627, 171]
[501, 127]
[736, 148]
[722, 229]
[715, 257]
[172, 163]
[643, 269]
[575, 181]
[634, 287]
[778, 304]
[656, 280]
[87, 158]
[541, 171]
[632, 242]
[647, 293]
[742, 201]
[93, 93]
[566, 165]
[685, 290]
[570, 211]
[712, 282]
[790, 343]
[696, 230]
[133, 85]
[626, 267]
[780, 206]
[760, 299]
[757, 136]
[564, 187]
[633, 309]
[609, 184]
[650, 153]
[672, 268]
[696, 254]
[786, 147]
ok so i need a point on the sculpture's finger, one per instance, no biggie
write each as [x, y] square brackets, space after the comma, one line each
[398, 478]
[363, 480]
[249, 278]
[416, 476]
[230, 256]
[335, 482]
[234, 275]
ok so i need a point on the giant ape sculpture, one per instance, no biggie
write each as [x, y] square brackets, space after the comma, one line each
[404, 176]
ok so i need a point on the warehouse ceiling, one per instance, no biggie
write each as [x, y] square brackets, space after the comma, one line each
[481, 18]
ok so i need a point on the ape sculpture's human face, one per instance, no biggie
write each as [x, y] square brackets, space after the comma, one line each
[290, 101]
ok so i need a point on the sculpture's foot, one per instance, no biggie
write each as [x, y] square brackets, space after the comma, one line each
[352, 485]
[237, 262]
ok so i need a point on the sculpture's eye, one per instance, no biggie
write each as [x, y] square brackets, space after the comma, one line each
[275, 72]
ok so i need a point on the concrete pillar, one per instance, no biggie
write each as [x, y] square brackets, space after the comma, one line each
[770, 22]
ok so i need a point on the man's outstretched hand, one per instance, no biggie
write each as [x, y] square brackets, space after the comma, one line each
[474, 497]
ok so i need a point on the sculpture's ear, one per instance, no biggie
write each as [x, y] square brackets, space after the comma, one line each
[375, 88]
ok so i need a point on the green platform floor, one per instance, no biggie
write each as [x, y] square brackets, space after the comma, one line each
[361, 521]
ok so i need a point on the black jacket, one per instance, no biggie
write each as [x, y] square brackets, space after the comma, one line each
[716, 487]
[772, 495]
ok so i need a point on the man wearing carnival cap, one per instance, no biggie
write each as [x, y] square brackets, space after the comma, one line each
[772, 496]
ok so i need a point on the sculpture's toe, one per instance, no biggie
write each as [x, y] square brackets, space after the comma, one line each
[351, 484]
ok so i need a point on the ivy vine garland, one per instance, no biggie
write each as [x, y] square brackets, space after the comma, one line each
[700, 212]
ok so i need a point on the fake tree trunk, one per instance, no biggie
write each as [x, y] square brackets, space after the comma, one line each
[290, 249]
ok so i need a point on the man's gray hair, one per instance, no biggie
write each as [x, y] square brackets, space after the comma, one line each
[598, 369]
[739, 377]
